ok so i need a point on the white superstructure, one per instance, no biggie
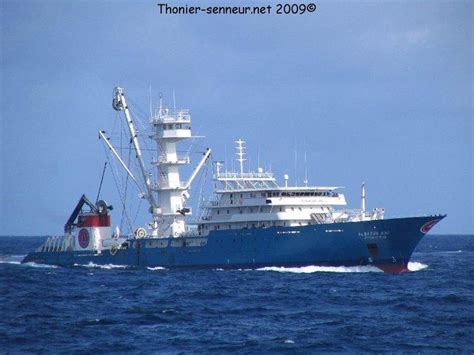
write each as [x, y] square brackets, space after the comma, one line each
[255, 200]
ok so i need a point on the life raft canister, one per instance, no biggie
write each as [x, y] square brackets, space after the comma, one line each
[140, 232]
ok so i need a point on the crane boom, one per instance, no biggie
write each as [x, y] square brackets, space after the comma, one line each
[198, 167]
[119, 104]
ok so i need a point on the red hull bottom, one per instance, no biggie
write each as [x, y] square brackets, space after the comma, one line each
[393, 268]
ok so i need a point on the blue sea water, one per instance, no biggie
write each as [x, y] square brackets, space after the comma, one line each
[290, 310]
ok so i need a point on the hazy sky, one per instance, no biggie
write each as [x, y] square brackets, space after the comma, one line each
[378, 91]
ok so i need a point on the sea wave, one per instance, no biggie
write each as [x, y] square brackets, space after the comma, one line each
[155, 268]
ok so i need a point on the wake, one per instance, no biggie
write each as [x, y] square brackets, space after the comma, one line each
[413, 266]
[313, 268]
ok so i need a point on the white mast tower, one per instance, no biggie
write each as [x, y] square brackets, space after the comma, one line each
[241, 154]
[167, 194]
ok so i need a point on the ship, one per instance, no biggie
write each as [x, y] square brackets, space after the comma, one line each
[248, 222]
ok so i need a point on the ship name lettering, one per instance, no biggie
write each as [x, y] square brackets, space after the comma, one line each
[374, 234]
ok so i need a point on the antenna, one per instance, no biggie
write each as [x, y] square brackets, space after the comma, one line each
[240, 154]
[151, 103]
[161, 103]
[225, 157]
[296, 161]
[305, 165]
[362, 195]
[174, 101]
[258, 158]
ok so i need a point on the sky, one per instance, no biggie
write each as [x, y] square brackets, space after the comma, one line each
[379, 92]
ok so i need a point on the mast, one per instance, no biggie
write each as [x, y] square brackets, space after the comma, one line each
[240, 154]
[362, 196]
[305, 166]
[169, 128]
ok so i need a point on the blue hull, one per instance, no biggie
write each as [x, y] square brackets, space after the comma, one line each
[387, 244]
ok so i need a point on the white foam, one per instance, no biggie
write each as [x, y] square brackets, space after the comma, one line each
[45, 266]
[416, 266]
[10, 262]
[289, 341]
[104, 266]
[11, 259]
[155, 268]
[313, 268]
[30, 264]
[168, 310]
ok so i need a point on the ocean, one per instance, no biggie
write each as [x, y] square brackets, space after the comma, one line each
[113, 308]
